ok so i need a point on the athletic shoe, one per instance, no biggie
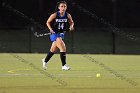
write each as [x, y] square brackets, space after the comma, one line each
[44, 64]
[65, 67]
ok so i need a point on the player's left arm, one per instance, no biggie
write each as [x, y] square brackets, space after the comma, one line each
[71, 23]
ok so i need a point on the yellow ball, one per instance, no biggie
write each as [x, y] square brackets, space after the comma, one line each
[98, 75]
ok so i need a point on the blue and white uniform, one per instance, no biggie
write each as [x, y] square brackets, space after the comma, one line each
[60, 23]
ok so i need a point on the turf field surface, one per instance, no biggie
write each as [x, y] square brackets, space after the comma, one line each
[23, 73]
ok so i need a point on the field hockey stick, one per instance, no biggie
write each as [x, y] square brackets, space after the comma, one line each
[45, 34]
[40, 35]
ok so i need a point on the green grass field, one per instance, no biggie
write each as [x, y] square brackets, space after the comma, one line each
[18, 76]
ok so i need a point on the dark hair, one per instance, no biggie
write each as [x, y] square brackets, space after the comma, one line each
[58, 4]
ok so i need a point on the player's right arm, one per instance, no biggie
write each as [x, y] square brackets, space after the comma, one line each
[70, 22]
[50, 19]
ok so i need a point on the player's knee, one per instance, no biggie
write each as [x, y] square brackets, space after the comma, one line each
[63, 49]
[53, 50]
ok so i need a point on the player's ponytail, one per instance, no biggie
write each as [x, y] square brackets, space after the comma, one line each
[58, 4]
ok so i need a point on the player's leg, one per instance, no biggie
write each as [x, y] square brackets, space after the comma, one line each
[53, 49]
[61, 45]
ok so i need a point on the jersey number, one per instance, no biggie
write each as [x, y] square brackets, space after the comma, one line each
[61, 26]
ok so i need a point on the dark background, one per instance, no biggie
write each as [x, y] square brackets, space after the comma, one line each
[91, 35]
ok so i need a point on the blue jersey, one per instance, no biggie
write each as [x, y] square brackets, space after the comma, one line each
[60, 23]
